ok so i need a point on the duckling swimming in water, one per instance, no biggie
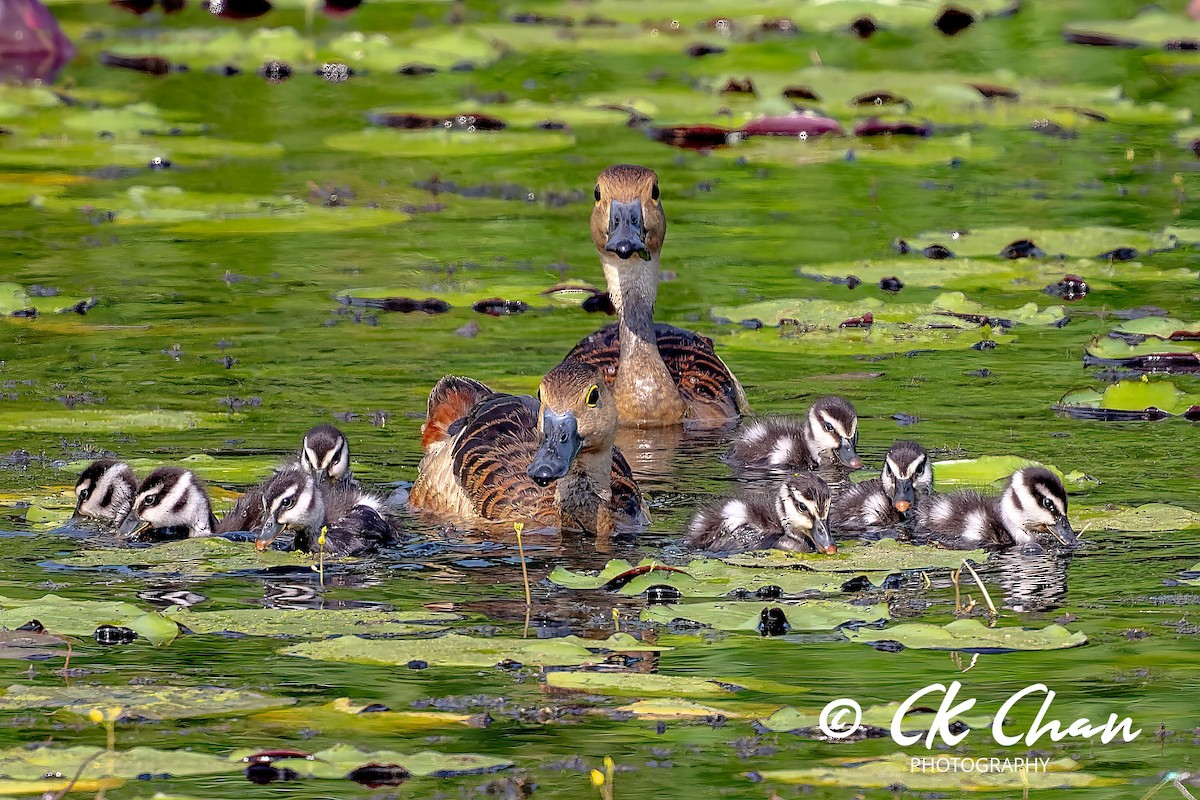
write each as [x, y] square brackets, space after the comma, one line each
[1034, 502]
[659, 375]
[104, 492]
[170, 501]
[793, 517]
[890, 499]
[826, 438]
[354, 521]
[326, 454]
[493, 457]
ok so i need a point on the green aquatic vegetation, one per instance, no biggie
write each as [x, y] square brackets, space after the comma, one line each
[337, 761]
[312, 623]
[456, 650]
[226, 469]
[983, 471]
[1132, 395]
[886, 555]
[64, 152]
[200, 556]
[708, 578]
[17, 644]
[896, 770]
[151, 702]
[75, 617]
[434, 143]
[971, 635]
[646, 684]
[791, 719]
[14, 297]
[345, 715]
[674, 708]
[30, 764]
[1151, 517]
[108, 420]
[1161, 328]
[55, 786]
[732, 615]
[1152, 27]
[1082, 242]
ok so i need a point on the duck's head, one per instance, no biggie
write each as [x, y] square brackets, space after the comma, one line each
[578, 414]
[170, 497]
[104, 492]
[833, 431]
[802, 503]
[326, 454]
[628, 219]
[1035, 502]
[292, 500]
[906, 474]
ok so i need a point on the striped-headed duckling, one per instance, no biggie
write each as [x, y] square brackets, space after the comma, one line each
[104, 493]
[793, 517]
[891, 499]
[170, 502]
[354, 522]
[825, 439]
[1033, 504]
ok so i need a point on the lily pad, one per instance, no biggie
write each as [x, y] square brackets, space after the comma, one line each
[438, 143]
[983, 471]
[1161, 328]
[1084, 242]
[830, 315]
[897, 770]
[337, 761]
[345, 715]
[74, 617]
[794, 719]
[971, 635]
[1153, 27]
[201, 556]
[151, 702]
[1151, 517]
[30, 645]
[811, 615]
[226, 469]
[1140, 397]
[706, 578]
[886, 555]
[13, 297]
[312, 623]
[109, 420]
[53, 786]
[644, 684]
[27, 764]
[455, 650]
[677, 709]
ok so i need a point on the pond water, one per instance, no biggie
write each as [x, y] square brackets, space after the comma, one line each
[217, 332]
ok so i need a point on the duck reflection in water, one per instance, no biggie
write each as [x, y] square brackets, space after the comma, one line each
[1032, 579]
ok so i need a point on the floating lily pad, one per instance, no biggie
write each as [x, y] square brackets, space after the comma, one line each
[971, 635]
[644, 684]
[1161, 328]
[677, 709]
[1151, 517]
[1153, 27]
[886, 555]
[24, 763]
[897, 770]
[706, 578]
[794, 719]
[1140, 398]
[455, 650]
[983, 471]
[151, 702]
[17, 644]
[312, 623]
[438, 143]
[226, 469]
[66, 152]
[344, 714]
[53, 786]
[1085, 242]
[13, 297]
[732, 615]
[337, 761]
[199, 556]
[109, 420]
[68, 615]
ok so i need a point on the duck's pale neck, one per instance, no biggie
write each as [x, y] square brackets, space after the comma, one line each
[644, 388]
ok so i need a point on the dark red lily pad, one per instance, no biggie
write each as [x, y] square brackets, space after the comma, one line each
[1154, 363]
[375, 775]
[412, 121]
[340, 8]
[149, 65]
[1151, 414]
[794, 124]
[953, 21]
[1097, 39]
[618, 581]
[1022, 248]
[865, 321]
[403, 305]
[693, 137]
[881, 97]
[498, 307]
[864, 27]
[801, 93]
[877, 127]
[993, 92]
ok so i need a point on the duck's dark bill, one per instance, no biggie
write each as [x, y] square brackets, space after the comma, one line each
[626, 229]
[560, 443]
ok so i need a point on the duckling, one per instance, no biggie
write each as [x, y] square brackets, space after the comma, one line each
[826, 438]
[1034, 502]
[794, 517]
[326, 454]
[890, 499]
[499, 458]
[659, 375]
[354, 521]
[170, 501]
[104, 492]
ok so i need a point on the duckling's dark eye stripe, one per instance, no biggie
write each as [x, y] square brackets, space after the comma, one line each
[180, 504]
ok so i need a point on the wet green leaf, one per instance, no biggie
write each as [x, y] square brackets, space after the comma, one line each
[312, 623]
[438, 143]
[109, 420]
[644, 684]
[13, 297]
[896, 770]
[677, 709]
[886, 555]
[1134, 395]
[732, 615]
[1085, 242]
[151, 702]
[1149, 517]
[50, 786]
[335, 762]
[1116, 348]
[345, 715]
[1153, 27]
[75, 617]
[455, 650]
[983, 471]
[199, 556]
[794, 719]
[971, 635]
[709, 578]
[1160, 327]
[24, 763]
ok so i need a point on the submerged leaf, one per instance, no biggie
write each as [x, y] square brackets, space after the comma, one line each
[22, 762]
[1151, 517]
[811, 615]
[343, 714]
[708, 577]
[1141, 396]
[110, 420]
[971, 635]
[645, 684]
[67, 615]
[199, 556]
[796, 720]
[312, 623]
[434, 143]
[151, 702]
[886, 555]
[335, 762]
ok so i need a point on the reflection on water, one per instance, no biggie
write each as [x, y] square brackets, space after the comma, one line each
[1031, 581]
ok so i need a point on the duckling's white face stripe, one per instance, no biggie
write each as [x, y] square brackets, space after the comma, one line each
[299, 505]
[1023, 511]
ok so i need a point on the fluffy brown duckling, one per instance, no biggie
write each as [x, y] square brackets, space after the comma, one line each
[659, 375]
[104, 493]
[499, 458]
[891, 499]
[354, 522]
[326, 454]
[825, 439]
[1033, 505]
[793, 517]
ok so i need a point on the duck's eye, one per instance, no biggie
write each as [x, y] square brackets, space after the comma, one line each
[829, 427]
[149, 500]
[593, 396]
[654, 192]
[287, 502]
[1047, 504]
[84, 494]
[596, 192]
